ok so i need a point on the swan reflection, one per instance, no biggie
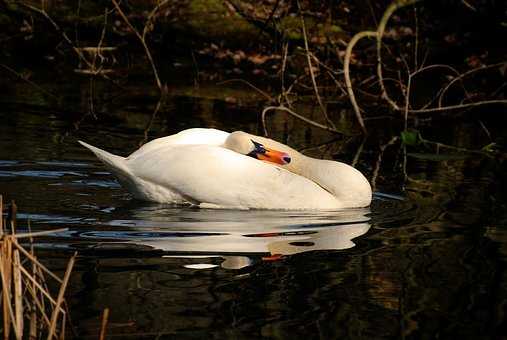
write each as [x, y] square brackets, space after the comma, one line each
[232, 235]
[236, 238]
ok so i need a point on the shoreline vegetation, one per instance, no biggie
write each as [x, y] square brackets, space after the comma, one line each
[33, 297]
[375, 63]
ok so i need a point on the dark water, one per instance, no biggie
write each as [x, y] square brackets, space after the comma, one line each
[426, 260]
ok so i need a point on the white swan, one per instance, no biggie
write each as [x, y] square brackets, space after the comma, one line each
[213, 168]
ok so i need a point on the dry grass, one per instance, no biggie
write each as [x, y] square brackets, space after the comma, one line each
[28, 307]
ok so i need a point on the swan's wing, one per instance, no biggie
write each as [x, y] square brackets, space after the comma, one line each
[189, 136]
[139, 188]
[221, 177]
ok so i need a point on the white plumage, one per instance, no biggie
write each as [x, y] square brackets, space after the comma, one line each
[210, 168]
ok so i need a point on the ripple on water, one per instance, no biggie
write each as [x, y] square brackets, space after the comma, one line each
[187, 231]
[113, 223]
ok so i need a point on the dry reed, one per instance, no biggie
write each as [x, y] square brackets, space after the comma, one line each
[28, 308]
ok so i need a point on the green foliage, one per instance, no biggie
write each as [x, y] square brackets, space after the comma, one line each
[411, 137]
[490, 148]
[291, 26]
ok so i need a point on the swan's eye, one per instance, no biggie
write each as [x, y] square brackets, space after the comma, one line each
[269, 155]
[258, 149]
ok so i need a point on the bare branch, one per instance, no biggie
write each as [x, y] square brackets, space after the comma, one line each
[143, 42]
[346, 73]
[466, 74]
[395, 5]
[298, 116]
[312, 74]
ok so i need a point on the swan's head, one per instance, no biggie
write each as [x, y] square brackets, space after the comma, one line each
[347, 184]
[247, 145]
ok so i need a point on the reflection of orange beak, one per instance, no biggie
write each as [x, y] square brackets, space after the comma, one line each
[273, 257]
[274, 156]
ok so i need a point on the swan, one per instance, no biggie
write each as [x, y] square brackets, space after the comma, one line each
[216, 169]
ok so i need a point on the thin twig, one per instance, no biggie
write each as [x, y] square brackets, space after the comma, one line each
[143, 42]
[263, 93]
[466, 74]
[319, 145]
[34, 260]
[52, 95]
[77, 50]
[38, 285]
[459, 106]
[395, 5]
[105, 318]
[39, 233]
[298, 116]
[33, 293]
[436, 66]
[151, 16]
[284, 65]
[376, 170]
[467, 4]
[451, 147]
[312, 74]
[152, 119]
[407, 99]
[57, 27]
[416, 44]
[358, 153]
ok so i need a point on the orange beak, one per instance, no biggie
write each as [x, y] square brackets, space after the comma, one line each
[274, 156]
[269, 155]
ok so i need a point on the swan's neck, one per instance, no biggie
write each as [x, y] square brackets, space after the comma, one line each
[347, 184]
[343, 181]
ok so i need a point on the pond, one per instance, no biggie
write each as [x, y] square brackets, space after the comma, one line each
[427, 259]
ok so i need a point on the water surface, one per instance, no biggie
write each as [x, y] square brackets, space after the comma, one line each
[426, 260]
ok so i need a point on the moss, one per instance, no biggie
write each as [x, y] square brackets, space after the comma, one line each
[291, 26]
[5, 20]
[211, 19]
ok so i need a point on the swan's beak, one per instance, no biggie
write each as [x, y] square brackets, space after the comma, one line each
[269, 155]
[274, 156]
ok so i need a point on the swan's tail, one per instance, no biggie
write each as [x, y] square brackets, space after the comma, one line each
[141, 189]
[115, 164]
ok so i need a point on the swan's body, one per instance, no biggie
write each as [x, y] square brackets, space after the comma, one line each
[211, 168]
